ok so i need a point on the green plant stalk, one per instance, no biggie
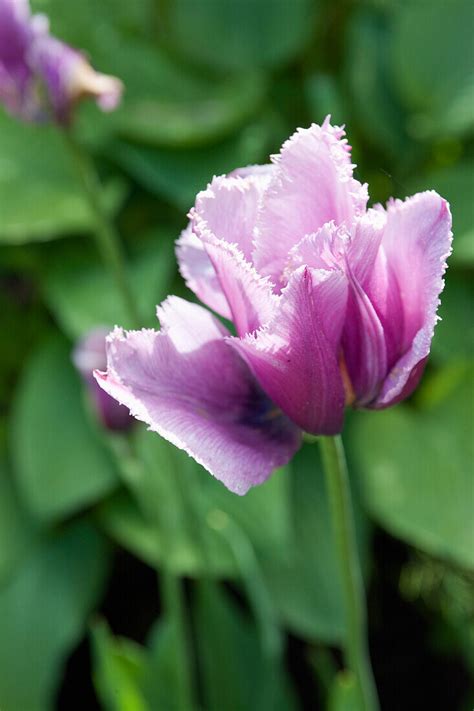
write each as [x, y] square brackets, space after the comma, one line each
[356, 652]
[107, 238]
[175, 608]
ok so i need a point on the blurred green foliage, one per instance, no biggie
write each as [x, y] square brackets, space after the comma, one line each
[210, 86]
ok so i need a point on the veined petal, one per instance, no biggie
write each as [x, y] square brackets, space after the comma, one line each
[406, 283]
[191, 388]
[336, 246]
[198, 272]
[229, 206]
[250, 297]
[363, 345]
[295, 357]
[312, 185]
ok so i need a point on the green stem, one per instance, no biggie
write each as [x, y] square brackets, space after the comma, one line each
[175, 609]
[355, 646]
[107, 238]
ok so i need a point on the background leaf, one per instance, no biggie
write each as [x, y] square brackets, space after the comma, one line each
[43, 612]
[60, 464]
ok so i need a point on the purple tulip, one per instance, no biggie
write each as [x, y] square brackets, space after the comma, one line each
[89, 355]
[39, 75]
[334, 304]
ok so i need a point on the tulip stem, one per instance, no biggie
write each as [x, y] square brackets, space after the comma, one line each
[175, 608]
[107, 238]
[356, 653]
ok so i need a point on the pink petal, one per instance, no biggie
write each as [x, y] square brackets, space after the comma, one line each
[229, 206]
[191, 388]
[295, 357]
[250, 297]
[199, 274]
[337, 246]
[406, 283]
[313, 184]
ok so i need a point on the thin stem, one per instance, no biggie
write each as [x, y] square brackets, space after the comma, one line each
[107, 239]
[355, 647]
[175, 609]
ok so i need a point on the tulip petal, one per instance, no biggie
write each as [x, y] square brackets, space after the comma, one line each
[250, 297]
[312, 185]
[198, 272]
[405, 286]
[228, 208]
[196, 392]
[295, 357]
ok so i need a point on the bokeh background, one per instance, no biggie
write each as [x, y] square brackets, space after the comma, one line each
[89, 520]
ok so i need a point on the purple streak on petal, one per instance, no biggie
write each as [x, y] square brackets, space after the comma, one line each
[295, 357]
[191, 388]
[250, 297]
[415, 246]
[228, 208]
[312, 185]
[363, 344]
[199, 274]
[89, 355]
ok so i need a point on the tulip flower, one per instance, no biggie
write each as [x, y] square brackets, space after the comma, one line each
[41, 76]
[333, 304]
[89, 355]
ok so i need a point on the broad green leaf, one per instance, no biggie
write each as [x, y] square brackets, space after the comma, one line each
[180, 175]
[40, 196]
[165, 483]
[241, 680]
[131, 677]
[118, 671]
[43, 613]
[17, 530]
[456, 184]
[370, 88]
[165, 103]
[245, 33]
[433, 64]
[454, 334]
[82, 294]
[416, 466]
[59, 462]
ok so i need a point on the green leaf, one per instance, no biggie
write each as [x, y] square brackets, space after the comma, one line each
[305, 578]
[369, 82]
[456, 184]
[242, 680]
[344, 694]
[59, 462]
[119, 667]
[433, 64]
[180, 175]
[82, 295]
[17, 530]
[245, 33]
[43, 612]
[416, 466]
[454, 334]
[40, 197]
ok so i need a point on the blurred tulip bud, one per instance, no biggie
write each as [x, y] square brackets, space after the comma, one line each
[89, 355]
[40, 75]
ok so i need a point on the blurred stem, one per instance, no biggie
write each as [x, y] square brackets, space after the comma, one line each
[175, 609]
[107, 238]
[356, 652]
